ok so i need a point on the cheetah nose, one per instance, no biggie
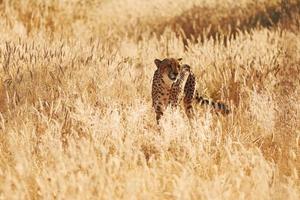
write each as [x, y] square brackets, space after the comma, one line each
[175, 74]
[172, 76]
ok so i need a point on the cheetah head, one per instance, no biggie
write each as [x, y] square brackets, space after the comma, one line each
[169, 67]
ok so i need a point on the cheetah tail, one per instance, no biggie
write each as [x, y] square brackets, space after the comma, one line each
[218, 106]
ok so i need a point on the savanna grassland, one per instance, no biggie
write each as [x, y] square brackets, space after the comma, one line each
[76, 117]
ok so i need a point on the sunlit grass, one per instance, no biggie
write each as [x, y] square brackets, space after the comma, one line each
[77, 120]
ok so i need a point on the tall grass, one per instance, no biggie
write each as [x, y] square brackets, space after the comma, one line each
[76, 116]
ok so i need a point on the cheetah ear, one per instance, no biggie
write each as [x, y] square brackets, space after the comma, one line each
[157, 62]
[179, 59]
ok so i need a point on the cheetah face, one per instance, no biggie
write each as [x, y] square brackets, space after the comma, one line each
[169, 67]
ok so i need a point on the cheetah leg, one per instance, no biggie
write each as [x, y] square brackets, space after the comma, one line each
[159, 113]
[177, 87]
[189, 90]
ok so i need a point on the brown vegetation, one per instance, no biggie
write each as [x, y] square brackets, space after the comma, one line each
[76, 119]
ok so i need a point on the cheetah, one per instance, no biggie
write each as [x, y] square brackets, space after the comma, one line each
[173, 82]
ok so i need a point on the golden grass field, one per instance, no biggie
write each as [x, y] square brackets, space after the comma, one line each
[76, 117]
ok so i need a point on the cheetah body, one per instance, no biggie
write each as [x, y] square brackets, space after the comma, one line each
[171, 83]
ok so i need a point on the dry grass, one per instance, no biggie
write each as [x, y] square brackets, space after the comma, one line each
[76, 119]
